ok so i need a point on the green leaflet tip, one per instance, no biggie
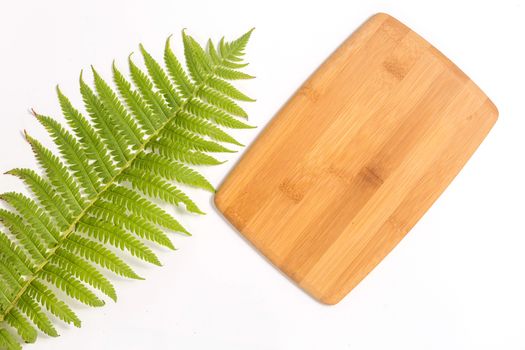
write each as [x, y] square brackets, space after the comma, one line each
[34, 113]
[95, 73]
[136, 277]
[27, 137]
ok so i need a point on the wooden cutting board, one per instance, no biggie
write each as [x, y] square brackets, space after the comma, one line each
[356, 157]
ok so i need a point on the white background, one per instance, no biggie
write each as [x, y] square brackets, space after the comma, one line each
[455, 282]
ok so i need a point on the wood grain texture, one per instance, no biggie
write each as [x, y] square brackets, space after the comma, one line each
[356, 157]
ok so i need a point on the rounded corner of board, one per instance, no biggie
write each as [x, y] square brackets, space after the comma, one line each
[218, 200]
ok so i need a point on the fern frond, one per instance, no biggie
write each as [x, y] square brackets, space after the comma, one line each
[16, 320]
[177, 73]
[156, 187]
[33, 311]
[84, 271]
[48, 299]
[209, 112]
[160, 79]
[139, 138]
[58, 175]
[228, 89]
[179, 136]
[9, 274]
[171, 170]
[222, 101]
[74, 155]
[143, 208]
[107, 212]
[97, 253]
[154, 100]
[131, 135]
[56, 208]
[145, 117]
[88, 138]
[7, 341]
[202, 127]
[196, 60]
[33, 215]
[16, 256]
[117, 237]
[113, 139]
[66, 281]
[183, 154]
[27, 237]
[230, 74]
[235, 50]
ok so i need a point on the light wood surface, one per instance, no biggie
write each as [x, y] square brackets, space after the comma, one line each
[356, 157]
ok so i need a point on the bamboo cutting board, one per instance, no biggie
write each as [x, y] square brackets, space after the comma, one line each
[356, 157]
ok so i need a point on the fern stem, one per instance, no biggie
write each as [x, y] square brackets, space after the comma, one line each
[110, 183]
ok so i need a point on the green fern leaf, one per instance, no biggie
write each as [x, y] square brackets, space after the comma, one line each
[145, 117]
[98, 254]
[88, 138]
[156, 187]
[58, 175]
[9, 274]
[108, 233]
[222, 101]
[139, 139]
[129, 134]
[16, 256]
[143, 208]
[154, 100]
[101, 121]
[171, 170]
[199, 126]
[85, 272]
[27, 237]
[16, 320]
[177, 73]
[56, 208]
[73, 154]
[7, 341]
[66, 281]
[33, 215]
[180, 136]
[107, 212]
[160, 79]
[228, 89]
[33, 311]
[183, 154]
[39, 292]
[230, 74]
[209, 112]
